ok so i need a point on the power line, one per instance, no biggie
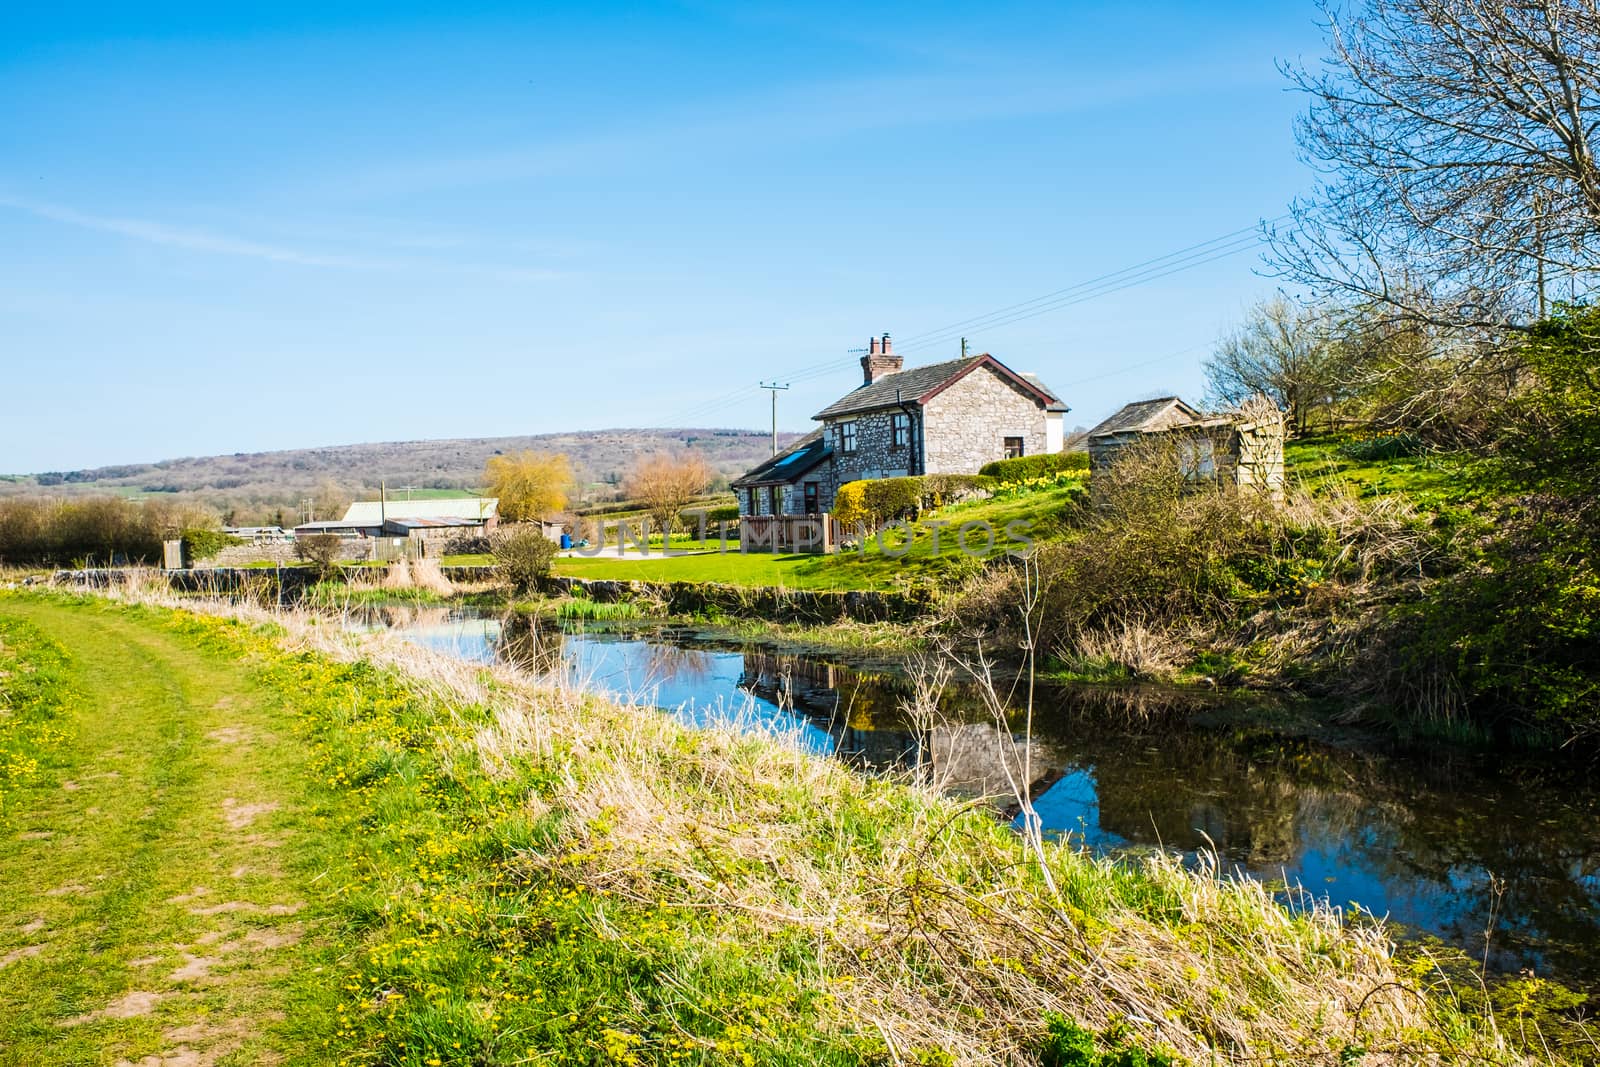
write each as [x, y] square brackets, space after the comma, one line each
[1149, 270]
[1252, 232]
[1153, 274]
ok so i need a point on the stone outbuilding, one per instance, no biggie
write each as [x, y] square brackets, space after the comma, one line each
[1242, 448]
[944, 418]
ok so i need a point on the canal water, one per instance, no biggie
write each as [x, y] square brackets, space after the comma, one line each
[1497, 856]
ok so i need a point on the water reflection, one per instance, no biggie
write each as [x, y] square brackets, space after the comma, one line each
[1447, 845]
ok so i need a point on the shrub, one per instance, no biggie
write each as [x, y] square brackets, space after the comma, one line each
[941, 489]
[873, 502]
[1023, 468]
[850, 505]
[320, 550]
[523, 554]
[1382, 447]
[893, 498]
[1157, 556]
[200, 544]
[101, 529]
[1511, 643]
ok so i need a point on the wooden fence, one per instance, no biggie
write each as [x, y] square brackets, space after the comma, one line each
[789, 533]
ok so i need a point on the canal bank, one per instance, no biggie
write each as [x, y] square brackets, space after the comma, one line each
[1497, 857]
[610, 879]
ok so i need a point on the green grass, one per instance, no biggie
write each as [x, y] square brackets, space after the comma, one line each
[586, 610]
[495, 874]
[1431, 480]
[128, 891]
[877, 567]
[341, 594]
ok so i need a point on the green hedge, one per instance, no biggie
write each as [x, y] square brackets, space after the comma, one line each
[879, 500]
[202, 544]
[1023, 468]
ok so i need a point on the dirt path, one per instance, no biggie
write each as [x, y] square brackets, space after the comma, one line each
[153, 891]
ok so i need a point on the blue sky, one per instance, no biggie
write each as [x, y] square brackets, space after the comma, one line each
[227, 228]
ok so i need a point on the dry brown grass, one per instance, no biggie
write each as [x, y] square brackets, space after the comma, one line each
[1149, 653]
[929, 924]
[421, 574]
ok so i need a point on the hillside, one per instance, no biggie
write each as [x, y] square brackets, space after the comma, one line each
[248, 479]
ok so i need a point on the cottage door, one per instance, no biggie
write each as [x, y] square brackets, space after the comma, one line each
[811, 498]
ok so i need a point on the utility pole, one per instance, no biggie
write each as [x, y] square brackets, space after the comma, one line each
[774, 387]
[963, 348]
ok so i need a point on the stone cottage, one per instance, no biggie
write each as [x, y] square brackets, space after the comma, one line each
[945, 418]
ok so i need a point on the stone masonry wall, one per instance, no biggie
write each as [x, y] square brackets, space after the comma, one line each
[875, 455]
[969, 422]
[281, 552]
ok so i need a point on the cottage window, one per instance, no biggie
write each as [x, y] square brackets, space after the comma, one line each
[772, 500]
[1197, 458]
[900, 429]
[1013, 447]
[847, 436]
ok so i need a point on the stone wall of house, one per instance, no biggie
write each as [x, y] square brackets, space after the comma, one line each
[875, 455]
[969, 422]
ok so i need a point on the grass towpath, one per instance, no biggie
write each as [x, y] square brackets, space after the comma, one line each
[154, 907]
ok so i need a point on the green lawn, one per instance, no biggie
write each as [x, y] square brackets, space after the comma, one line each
[156, 892]
[731, 568]
[875, 567]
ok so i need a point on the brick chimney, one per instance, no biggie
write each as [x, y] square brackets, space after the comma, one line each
[880, 360]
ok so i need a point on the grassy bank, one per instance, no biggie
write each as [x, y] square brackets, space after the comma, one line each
[515, 875]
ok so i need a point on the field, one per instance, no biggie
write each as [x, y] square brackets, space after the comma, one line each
[245, 841]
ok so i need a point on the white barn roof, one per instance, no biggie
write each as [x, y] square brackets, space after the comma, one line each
[372, 512]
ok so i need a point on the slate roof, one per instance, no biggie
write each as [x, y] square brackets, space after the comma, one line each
[789, 464]
[1141, 413]
[373, 512]
[920, 383]
[1055, 401]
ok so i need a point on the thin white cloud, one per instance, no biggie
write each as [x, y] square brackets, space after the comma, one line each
[194, 240]
[181, 237]
[816, 111]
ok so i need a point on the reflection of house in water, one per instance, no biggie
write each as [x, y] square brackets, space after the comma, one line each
[866, 717]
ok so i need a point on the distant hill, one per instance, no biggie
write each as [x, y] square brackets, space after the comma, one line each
[250, 481]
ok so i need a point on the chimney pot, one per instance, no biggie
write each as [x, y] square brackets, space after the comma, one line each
[879, 360]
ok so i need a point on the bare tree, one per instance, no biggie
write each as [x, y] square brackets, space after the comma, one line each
[1456, 144]
[1291, 353]
[665, 483]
